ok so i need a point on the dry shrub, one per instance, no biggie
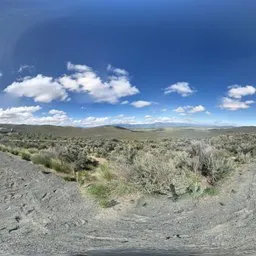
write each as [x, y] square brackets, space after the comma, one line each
[209, 161]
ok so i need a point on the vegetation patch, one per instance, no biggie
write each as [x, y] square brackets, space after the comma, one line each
[42, 159]
[109, 168]
[25, 155]
[211, 191]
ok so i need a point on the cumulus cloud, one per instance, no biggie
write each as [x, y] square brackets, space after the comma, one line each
[92, 121]
[123, 120]
[181, 109]
[40, 88]
[27, 115]
[164, 119]
[52, 119]
[56, 112]
[118, 71]
[125, 102]
[190, 109]
[141, 103]
[86, 80]
[78, 68]
[17, 114]
[31, 115]
[181, 88]
[234, 100]
[238, 92]
[197, 109]
[81, 79]
[234, 104]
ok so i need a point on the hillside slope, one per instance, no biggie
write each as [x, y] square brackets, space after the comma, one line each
[69, 131]
[40, 214]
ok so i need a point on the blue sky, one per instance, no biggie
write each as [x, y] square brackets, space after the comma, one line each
[77, 63]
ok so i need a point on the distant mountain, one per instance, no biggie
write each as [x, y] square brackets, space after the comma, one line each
[165, 125]
[156, 130]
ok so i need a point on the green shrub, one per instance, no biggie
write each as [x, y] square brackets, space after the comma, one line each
[107, 203]
[86, 177]
[25, 155]
[33, 150]
[99, 191]
[15, 151]
[84, 162]
[72, 179]
[59, 166]
[3, 148]
[195, 189]
[68, 154]
[212, 191]
[42, 159]
[244, 158]
[106, 173]
[151, 174]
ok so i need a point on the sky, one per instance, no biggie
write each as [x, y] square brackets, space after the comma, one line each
[96, 62]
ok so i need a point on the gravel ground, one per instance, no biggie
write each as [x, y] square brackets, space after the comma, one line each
[41, 214]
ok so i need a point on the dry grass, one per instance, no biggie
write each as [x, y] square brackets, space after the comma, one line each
[173, 167]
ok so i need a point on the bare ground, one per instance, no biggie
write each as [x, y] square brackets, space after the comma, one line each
[41, 214]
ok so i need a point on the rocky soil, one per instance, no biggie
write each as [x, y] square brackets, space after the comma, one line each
[41, 214]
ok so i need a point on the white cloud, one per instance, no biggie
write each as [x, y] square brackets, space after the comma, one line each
[77, 68]
[26, 115]
[56, 112]
[208, 113]
[17, 114]
[235, 104]
[57, 119]
[118, 71]
[238, 92]
[164, 109]
[141, 103]
[1, 74]
[190, 109]
[81, 80]
[165, 119]
[123, 120]
[40, 88]
[69, 83]
[96, 121]
[93, 121]
[181, 88]
[124, 102]
[249, 101]
[29, 115]
[197, 109]
[85, 80]
[181, 109]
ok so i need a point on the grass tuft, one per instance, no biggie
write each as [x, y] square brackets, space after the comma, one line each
[212, 191]
[25, 155]
[99, 191]
[42, 159]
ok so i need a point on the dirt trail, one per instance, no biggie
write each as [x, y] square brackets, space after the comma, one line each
[41, 214]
